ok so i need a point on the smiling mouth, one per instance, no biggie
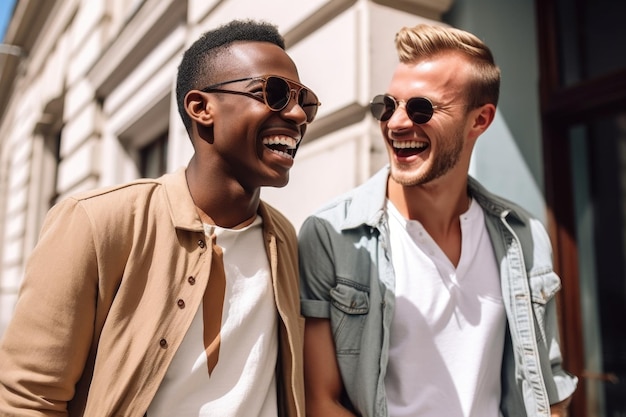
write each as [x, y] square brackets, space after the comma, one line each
[408, 147]
[284, 146]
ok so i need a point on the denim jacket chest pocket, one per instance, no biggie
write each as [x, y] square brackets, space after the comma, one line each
[543, 287]
[350, 305]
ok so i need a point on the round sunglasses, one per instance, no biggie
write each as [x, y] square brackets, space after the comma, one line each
[276, 93]
[419, 109]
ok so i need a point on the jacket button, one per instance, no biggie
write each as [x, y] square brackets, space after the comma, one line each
[163, 343]
[201, 243]
[191, 280]
[181, 303]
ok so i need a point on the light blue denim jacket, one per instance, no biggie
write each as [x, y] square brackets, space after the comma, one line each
[347, 276]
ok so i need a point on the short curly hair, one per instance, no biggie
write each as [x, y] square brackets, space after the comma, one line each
[198, 63]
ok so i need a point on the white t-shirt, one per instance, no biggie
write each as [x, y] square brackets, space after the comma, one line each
[447, 333]
[243, 382]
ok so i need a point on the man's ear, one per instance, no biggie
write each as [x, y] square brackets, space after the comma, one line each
[199, 107]
[481, 119]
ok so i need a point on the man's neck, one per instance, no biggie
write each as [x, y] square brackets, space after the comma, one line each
[437, 206]
[222, 202]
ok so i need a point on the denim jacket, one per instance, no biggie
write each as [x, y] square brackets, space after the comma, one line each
[347, 276]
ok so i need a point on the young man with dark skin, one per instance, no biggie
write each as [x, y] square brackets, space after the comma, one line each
[426, 295]
[176, 296]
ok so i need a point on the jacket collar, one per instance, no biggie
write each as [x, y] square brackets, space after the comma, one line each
[269, 228]
[180, 204]
[183, 211]
[367, 202]
[493, 204]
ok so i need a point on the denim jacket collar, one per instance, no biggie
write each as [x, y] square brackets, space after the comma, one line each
[368, 202]
[493, 204]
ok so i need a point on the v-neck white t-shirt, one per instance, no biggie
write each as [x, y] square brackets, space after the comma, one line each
[243, 382]
[447, 333]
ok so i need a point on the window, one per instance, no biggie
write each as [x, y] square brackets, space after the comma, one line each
[583, 112]
[153, 158]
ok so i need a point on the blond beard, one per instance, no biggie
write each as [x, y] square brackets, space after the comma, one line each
[447, 158]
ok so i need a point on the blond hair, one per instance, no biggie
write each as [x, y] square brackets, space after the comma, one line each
[422, 41]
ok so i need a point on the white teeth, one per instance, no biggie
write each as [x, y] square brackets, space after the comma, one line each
[287, 141]
[408, 144]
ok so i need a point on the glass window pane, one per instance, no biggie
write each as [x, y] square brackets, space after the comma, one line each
[598, 155]
[153, 158]
[592, 37]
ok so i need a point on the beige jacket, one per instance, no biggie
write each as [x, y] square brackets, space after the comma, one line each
[109, 293]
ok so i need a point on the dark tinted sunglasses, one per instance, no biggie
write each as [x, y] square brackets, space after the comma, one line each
[419, 109]
[275, 93]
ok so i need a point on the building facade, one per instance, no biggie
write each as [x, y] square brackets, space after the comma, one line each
[87, 100]
[90, 100]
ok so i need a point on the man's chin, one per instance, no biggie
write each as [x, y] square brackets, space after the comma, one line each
[406, 178]
[278, 182]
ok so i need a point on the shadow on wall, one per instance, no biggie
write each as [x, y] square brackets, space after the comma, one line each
[500, 166]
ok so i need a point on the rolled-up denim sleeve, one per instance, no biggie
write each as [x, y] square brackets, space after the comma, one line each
[317, 267]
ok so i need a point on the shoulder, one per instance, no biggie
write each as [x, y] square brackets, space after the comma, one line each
[329, 219]
[116, 205]
[497, 205]
[362, 205]
[138, 188]
[529, 230]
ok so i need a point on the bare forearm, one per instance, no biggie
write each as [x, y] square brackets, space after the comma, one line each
[560, 409]
[327, 409]
[322, 380]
